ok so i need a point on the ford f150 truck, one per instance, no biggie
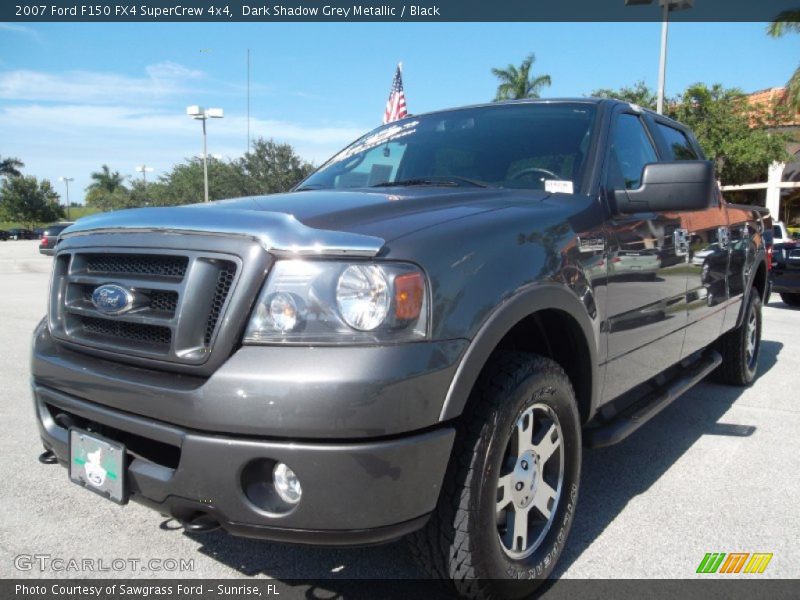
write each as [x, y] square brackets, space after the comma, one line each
[417, 341]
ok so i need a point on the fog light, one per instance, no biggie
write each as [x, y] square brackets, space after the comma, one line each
[287, 484]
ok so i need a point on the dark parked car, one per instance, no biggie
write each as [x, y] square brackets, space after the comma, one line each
[4, 235]
[785, 273]
[417, 341]
[49, 237]
[18, 233]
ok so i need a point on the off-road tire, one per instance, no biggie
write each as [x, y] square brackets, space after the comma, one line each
[460, 544]
[738, 366]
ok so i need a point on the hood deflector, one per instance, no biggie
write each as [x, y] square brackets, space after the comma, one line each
[279, 233]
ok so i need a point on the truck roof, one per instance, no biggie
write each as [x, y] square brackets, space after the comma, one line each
[567, 100]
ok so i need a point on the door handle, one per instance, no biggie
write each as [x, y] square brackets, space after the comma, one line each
[724, 236]
[680, 238]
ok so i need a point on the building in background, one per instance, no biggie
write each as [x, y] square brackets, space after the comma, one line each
[768, 108]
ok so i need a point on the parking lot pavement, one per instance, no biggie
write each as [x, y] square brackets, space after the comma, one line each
[717, 471]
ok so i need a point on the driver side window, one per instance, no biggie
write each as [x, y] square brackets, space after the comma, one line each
[631, 149]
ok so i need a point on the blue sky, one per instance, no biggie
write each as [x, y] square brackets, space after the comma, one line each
[75, 96]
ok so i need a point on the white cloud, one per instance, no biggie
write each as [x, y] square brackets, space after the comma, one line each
[162, 80]
[71, 123]
[75, 139]
[169, 69]
[21, 29]
[84, 121]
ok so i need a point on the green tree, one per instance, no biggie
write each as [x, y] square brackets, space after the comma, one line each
[29, 201]
[106, 180]
[104, 200]
[789, 22]
[107, 190]
[184, 183]
[270, 167]
[517, 83]
[10, 167]
[721, 119]
[639, 93]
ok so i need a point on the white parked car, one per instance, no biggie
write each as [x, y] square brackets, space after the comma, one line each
[780, 233]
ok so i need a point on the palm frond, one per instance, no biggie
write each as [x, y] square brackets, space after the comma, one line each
[786, 22]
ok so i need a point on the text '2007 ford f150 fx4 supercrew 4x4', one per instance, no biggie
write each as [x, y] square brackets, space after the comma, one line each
[416, 341]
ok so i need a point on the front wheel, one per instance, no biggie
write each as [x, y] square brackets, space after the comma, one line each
[508, 499]
[791, 299]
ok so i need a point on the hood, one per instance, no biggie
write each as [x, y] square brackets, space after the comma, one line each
[336, 222]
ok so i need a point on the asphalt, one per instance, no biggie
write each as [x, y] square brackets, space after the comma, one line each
[717, 471]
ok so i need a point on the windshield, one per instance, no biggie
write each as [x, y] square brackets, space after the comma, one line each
[510, 146]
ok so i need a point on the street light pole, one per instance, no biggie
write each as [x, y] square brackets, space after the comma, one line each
[662, 61]
[66, 181]
[201, 114]
[205, 162]
[666, 7]
[144, 170]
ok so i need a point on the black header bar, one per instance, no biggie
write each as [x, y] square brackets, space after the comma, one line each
[195, 11]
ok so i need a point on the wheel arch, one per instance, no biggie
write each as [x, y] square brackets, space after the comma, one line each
[757, 280]
[547, 319]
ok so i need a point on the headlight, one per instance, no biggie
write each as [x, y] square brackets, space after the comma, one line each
[316, 301]
[362, 296]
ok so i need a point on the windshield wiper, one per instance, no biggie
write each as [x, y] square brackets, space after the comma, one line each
[447, 180]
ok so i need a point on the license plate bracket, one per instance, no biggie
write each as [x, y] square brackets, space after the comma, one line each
[98, 464]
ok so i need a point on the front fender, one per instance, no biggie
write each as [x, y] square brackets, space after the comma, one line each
[532, 299]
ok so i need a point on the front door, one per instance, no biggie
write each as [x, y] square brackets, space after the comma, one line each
[647, 273]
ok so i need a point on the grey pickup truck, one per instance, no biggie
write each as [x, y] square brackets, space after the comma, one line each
[417, 341]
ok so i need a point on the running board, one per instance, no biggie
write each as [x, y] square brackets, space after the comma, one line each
[633, 417]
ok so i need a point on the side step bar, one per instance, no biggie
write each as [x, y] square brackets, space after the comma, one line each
[633, 417]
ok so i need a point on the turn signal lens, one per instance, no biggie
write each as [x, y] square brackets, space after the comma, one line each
[283, 311]
[409, 291]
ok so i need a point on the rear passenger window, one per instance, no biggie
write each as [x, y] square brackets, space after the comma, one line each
[631, 150]
[678, 144]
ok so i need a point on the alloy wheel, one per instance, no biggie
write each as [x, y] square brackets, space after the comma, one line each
[530, 481]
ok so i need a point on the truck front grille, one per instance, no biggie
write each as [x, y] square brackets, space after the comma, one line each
[120, 330]
[178, 301]
[138, 264]
[224, 283]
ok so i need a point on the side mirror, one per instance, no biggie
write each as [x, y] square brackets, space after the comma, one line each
[670, 186]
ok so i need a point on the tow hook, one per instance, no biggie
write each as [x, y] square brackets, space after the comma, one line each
[200, 524]
[48, 458]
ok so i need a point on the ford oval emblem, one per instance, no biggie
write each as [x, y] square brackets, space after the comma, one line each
[112, 299]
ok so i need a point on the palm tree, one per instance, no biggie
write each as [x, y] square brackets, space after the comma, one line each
[517, 83]
[10, 167]
[789, 22]
[105, 180]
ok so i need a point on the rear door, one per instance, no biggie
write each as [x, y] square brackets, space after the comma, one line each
[707, 241]
[647, 274]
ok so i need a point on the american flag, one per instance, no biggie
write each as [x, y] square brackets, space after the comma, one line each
[396, 105]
